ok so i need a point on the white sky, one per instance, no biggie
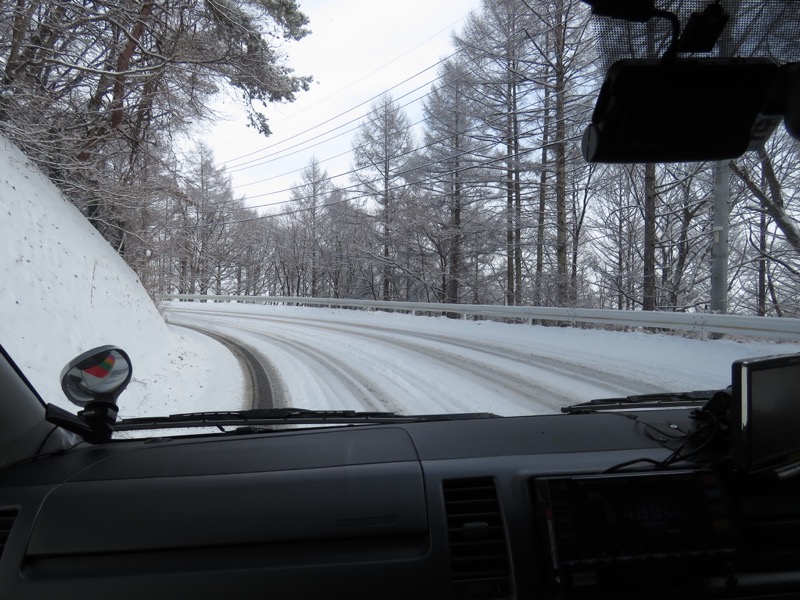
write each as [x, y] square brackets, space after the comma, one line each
[357, 50]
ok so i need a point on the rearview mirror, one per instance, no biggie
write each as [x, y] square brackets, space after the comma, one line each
[682, 110]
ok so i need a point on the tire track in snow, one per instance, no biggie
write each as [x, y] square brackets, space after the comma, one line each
[358, 387]
[396, 399]
[365, 391]
[259, 381]
[575, 370]
[502, 382]
[523, 391]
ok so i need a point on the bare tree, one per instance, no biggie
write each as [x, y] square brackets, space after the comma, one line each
[383, 152]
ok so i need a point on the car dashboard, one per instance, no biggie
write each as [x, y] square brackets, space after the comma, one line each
[550, 506]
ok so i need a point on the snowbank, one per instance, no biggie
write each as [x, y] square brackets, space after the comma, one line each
[65, 290]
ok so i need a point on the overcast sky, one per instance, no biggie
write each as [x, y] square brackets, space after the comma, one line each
[357, 50]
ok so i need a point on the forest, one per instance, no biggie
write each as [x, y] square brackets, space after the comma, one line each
[485, 200]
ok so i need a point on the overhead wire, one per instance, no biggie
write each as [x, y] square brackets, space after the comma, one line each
[521, 110]
[233, 167]
[346, 199]
[277, 155]
[356, 198]
[349, 110]
[364, 77]
[261, 162]
[358, 185]
[322, 161]
[489, 145]
[270, 158]
[486, 161]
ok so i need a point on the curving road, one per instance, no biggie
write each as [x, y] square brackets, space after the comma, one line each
[256, 369]
[325, 359]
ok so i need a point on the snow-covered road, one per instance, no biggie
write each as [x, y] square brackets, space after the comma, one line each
[344, 359]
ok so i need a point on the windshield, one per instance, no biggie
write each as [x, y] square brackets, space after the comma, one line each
[376, 207]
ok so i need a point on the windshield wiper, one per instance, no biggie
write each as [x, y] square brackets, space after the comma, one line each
[658, 400]
[281, 416]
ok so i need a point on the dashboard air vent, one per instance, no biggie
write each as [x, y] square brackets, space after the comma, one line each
[7, 517]
[770, 527]
[478, 552]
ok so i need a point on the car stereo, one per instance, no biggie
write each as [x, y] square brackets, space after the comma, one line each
[610, 531]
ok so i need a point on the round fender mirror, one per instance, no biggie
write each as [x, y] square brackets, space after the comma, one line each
[99, 374]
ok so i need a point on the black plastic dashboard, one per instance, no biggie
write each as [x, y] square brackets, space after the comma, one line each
[489, 508]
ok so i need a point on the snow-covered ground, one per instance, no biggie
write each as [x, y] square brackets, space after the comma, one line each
[65, 290]
[345, 359]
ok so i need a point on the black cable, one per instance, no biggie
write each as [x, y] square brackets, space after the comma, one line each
[672, 49]
[482, 164]
[629, 463]
[714, 423]
[646, 424]
[44, 441]
[232, 163]
[676, 455]
[37, 456]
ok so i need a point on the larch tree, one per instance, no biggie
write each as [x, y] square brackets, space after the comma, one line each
[308, 198]
[383, 158]
[450, 184]
[494, 45]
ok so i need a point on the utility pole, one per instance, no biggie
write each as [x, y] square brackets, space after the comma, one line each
[719, 242]
[722, 199]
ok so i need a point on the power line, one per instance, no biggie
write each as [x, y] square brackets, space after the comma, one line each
[487, 146]
[363, 78]
[271, 158]
[521, 110]
[363, 196]
[470, 151]
[274, 156]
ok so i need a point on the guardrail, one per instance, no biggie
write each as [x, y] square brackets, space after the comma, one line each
[700, 323]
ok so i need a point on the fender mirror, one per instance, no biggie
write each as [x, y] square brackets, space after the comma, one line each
[99, 374]
[93, 381]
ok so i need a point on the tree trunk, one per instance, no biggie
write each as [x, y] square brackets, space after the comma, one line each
[761, 300]
[538, 300]
[683, 251]
[620, 263]
[510, 296]
[517, 199]
[456, 241]
[649, 288]
[561, 159]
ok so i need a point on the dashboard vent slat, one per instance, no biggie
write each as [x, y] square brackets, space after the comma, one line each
[7, 517]
[479, 560]
[770, 527]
